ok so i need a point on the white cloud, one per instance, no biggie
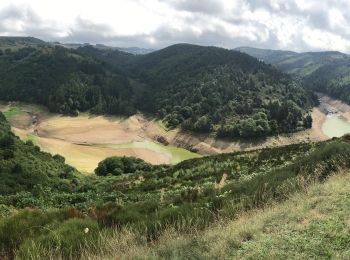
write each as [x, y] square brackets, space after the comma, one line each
[289, 24]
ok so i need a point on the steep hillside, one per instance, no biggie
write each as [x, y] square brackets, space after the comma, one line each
[64, 81]
[311, 225]
[332, 79]
[71, 214]
[326, 72]
[209, 89]
[24, 168]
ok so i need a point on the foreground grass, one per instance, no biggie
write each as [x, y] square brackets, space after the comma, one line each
[311, 225]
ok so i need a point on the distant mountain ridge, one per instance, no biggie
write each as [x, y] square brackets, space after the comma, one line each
[300, 64]
[24, 41]
[15, 42]
[20, 39]
[132, 50]
[326, 72]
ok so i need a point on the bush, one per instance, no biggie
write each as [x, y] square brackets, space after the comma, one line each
[27, 224]
[59, 158]
[69, 238]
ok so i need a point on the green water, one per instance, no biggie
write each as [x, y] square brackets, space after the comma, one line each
[175, 154]
[335, 126]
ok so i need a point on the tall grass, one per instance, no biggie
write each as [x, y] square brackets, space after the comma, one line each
[131, 229]
[313, 224]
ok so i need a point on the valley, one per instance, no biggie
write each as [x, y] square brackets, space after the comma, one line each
[86, 140]
[105, 153]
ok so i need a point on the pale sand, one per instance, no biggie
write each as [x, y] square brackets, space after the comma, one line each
[86, 158]
[94, 130]
[62, 134]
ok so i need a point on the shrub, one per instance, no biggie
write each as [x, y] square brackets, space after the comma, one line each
[69, 238]
[59, 158]
[24, 225]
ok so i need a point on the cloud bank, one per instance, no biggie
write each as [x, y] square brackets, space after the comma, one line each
[299, 25]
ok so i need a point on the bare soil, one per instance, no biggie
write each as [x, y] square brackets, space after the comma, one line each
[73, 137]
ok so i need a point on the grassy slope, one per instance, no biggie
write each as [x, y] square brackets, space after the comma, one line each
[310, 225]
[184, 197]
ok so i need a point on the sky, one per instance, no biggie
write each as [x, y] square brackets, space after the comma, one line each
[298, 25]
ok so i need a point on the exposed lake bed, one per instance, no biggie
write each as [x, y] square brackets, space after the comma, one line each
[86, 140]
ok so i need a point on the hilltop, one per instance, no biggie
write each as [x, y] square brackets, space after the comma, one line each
[13, 42]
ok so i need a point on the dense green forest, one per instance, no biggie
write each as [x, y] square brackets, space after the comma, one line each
[325, 72]
[64, 81]
[201, 89]
[209, 89]
[332, 79]
[70, 211]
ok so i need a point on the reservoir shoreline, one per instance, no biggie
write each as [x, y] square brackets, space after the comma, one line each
[85, 140]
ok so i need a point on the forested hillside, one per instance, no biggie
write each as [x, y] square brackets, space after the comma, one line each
[23, 167]
[209, 89]
[201, 89]
[326, 72]
[71, 214]
[14, 43]
[332, 79]
[64, 81]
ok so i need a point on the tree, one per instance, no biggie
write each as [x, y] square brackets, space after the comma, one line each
[203, 124]
[119, 165]
[7, 141]
[59, 158]
[308, 121]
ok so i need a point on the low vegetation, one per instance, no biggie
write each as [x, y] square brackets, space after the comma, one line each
[43, 200]
[312, 224]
